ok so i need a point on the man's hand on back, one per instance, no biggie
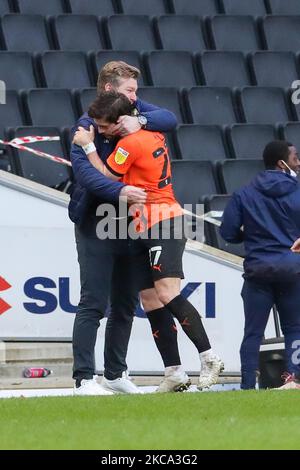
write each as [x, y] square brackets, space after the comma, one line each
[133, 195]
[296, 246]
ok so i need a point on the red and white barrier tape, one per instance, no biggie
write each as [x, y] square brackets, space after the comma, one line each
[19, 141]
[210, 217]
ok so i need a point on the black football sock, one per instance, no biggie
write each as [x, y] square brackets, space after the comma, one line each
[165, 335]
[190, 321]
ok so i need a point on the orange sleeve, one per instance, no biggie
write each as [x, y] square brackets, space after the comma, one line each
[124, 155]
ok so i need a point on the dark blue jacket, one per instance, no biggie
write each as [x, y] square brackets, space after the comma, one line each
[269, 211]
[90, 187]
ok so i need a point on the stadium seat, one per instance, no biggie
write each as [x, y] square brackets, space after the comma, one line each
[36, 168]
[197, 8]
[141, 35]
[240, 7]
[217, 203]
[5, 7]
[286, 7]
[172, 69]
[5, 164]
[233, 174]
[131, 57]
[78, 33]
[26, 33]
[291, 133]
[278, 69]
[282, 33]
[168, 98]
[210, 106]
[249, 140]
[11, 113]
[38, 7]
[234, 33]
[92, 7]
[262, 105]
[72, 67]
[295, 108]
[181, 33]
[144, 7]
[17, 70]
[50, 107]
[232, 64]
[195, 142]
[84, 98]
[192, 181]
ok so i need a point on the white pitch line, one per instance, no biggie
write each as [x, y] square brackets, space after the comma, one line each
[65, 392]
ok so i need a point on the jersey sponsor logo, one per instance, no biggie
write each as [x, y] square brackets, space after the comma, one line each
[121, 156]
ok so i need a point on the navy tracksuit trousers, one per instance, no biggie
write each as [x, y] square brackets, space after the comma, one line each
[259, 297]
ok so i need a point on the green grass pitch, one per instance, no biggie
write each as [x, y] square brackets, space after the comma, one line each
[187, 421]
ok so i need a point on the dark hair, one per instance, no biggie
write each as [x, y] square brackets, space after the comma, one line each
[110, 105]
[275, 151]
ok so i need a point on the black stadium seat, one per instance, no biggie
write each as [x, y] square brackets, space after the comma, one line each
[263, 105]
[26, 33]
[234, 33]
[11, 113]
[5, 7]
[274, 68]
[131, 57]
[181, 33]
[41, 7]
[129, 32]
[78, 33]
[282, 33]
[40, 169]
[291, 133]
[217, 203]
[144, 7]
[65, 69]
[84, 98]
[50, 107]
[164, 97]
[172, 69]
[92, 7]
[192, 181]
[233, 174]
[286, 7]
[232, 64]
[197, 8]
[195, 142]
[242, 7]
[211, 106]
[249, 140]
[21, 64]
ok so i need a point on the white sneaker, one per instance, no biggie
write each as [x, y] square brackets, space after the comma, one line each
[210, 370]
[176, 380]
[90, 387]
[120, 385]
[289, 383]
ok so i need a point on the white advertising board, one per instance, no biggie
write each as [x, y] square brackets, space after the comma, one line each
[39, 282]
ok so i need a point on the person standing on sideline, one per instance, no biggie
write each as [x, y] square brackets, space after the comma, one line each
[141, 159]
[265, 215]
[105, 270]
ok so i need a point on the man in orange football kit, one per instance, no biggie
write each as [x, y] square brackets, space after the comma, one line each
[141, 159]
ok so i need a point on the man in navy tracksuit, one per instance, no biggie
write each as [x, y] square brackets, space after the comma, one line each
[105, 264]
[265, 215]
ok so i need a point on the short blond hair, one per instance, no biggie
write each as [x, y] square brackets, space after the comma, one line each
[113, 71]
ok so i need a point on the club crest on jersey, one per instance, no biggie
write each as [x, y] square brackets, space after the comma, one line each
[121, 156]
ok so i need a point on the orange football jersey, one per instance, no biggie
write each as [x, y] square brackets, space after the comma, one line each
[142, 160]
